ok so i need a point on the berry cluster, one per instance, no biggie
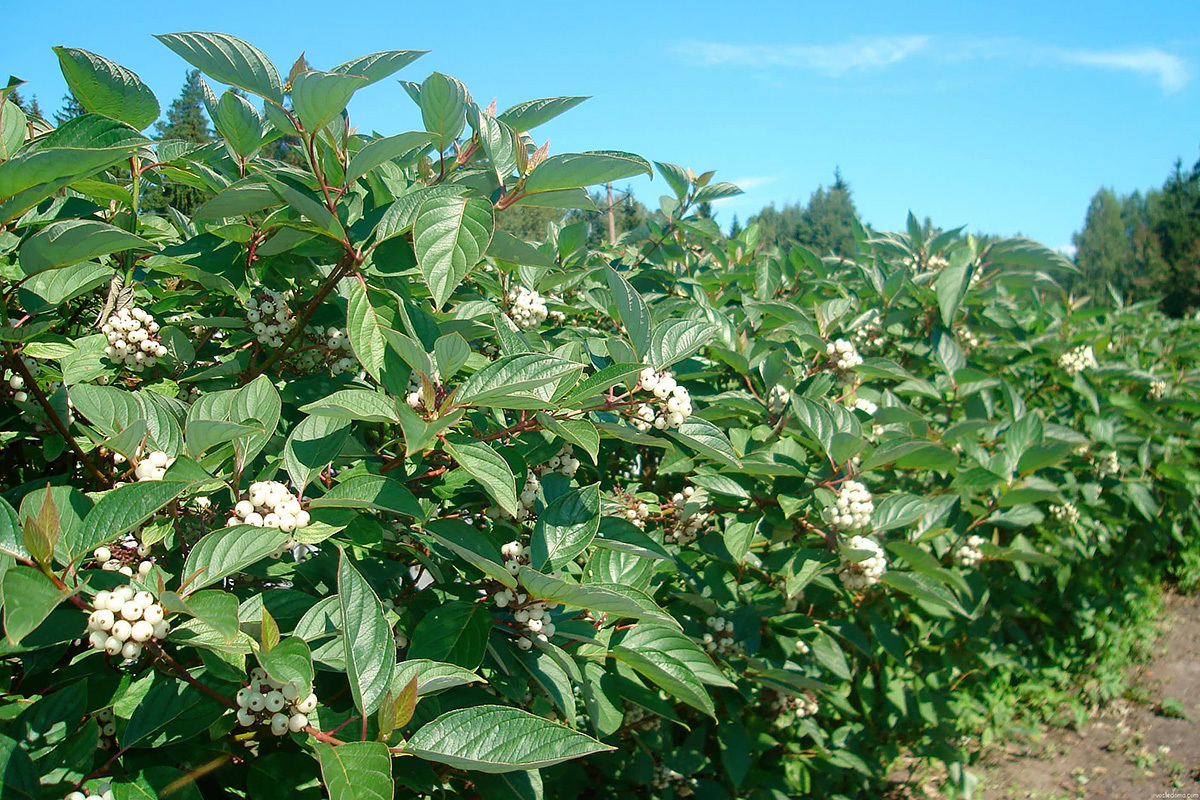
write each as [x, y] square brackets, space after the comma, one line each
[154, 466]
[532, 617]
[123, 621]
[1108, 464]
[564, 463]
[777, 399]
[688, 518]
[872, 333]
[526, 308]
[265, 701]
[797, 706]
[337, 342]
[666, 778]
[969, 555]
[866, 406]
[107, 721]
[638, 717]
[843, 355]
[394, 607]
[525, 503]
[675, 404]
[102, 792]
[1158, 390]
[132, 339]
[1079, 359]
[719, 639]
[270, 504]
[417, 396]
[122, 562]
[1066, 513]
[269, 316]
[16, 383]
[802, 648]
[858, 575]
[515, 556]
[635, 509]
[968, 337]
[853, 508]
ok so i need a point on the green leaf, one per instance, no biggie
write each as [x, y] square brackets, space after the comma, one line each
[229, 60]
[926, 588]
[205, 434]
[450, 236]
[706, 438]
[472, 546]
[576, 431]
[524, 380]
[909, 453]
[289, 662]
[239, 123]
[456, 632]
[632, 310]
[360, 404]
[566, 528]
[229, 550]
[671, 661]
[18, 776]
[500, 143]
[677, 339]
[318, 97]
[121, 510]
[443, 108]
[403, 149]
[377, 66]
[29, 597]
[452, 353]
[601, 381]
[219, 610]
[898, 511]
[498, 739]
[34, 175]
[607, 598]
[104, 87]
[371, 492]
[952, 283]
[571, 170]
[11, 543]
[432, 676]
[364, 328]
[310, 447]
[61, 244]
[171, 711]
[370, 645]
[532, 113]
[43, 529]
[487, 467]
[356, 770]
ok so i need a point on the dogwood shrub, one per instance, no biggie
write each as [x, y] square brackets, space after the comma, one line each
[368, 515]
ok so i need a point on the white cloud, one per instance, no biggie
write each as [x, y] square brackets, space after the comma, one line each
[747, 184]
[833, 59]
[750, 183]
[1170, 71]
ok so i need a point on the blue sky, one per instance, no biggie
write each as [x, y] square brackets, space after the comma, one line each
[1005, 116]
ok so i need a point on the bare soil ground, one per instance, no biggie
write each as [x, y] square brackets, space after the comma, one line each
[1130, 750]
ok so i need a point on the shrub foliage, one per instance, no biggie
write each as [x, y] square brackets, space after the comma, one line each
[334, 486]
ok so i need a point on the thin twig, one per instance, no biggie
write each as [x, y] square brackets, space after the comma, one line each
[18, 364]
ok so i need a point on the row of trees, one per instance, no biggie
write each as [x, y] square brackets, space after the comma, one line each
[1144, 245]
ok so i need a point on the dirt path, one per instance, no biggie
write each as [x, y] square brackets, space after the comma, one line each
[1130, 751]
